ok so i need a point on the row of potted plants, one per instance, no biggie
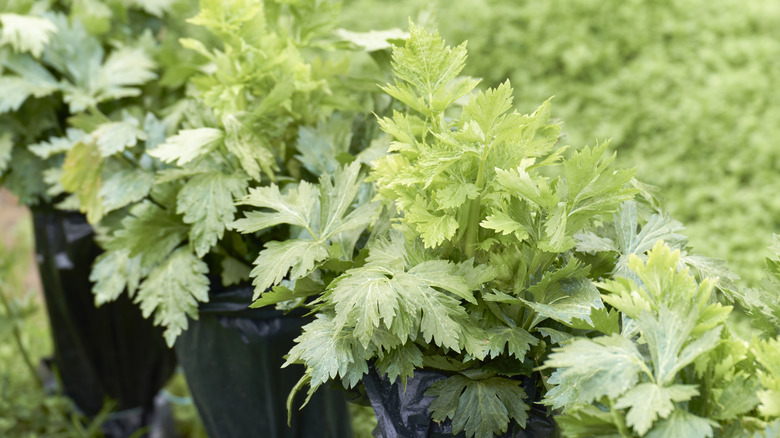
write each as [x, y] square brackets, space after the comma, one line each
[443, 254]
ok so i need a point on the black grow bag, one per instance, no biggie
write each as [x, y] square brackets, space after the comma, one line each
[232, 357]
[404, 413]
[110, 352]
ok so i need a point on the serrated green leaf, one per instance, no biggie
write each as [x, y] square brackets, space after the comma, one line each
[434, 229]
[587, 370]
[372, 294]
[454, 197]
[365, 298]
[400, 362]
[520, 184]
[709, 267]
[26, 33]
[515, 340]
[683, 424]
[428, 64]
[57, 145]
[503, 223]
[89, 78]
[252, 152]
[123, 70]
[657, 228]
[172, 291]
[292, 259]
[114, 137]
[82, 176]
[295, 207]
[666, 335]
[125, 187]
[590, 242]
[648, 402]
[329, 353]
[114, 272]
[206, 203]
[14, 91]
[482, 408]
[319, 148]
[151, 232]
[739, 397]
[234, 271]
[577, 300]
[188, 145]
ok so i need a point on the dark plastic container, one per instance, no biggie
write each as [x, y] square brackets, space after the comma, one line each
[232, 357]
[404, 413]
[110, 352]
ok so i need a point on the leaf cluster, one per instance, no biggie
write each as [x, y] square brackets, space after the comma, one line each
[268, 112]
[477, 268]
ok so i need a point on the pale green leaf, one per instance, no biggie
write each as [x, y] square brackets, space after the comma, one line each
[151, 232]
[649, 402]
[457, 195]
[252, 152]
[172, 291]
[588, 369]
[206, 203]
[158, 8]
[234, 271]
[188, 145]
[683, 424]
[14, 91]
[433, 228]
[57, 145]
[329, 353]
[577, 300]
[82, 176]
[123, 70]
[125, 187]
[114, 137]
[294, 207]
[114, 272]
[292, 259]
[373, 40]
[739, 397]
[26, 33]
[363, 299]
[503, 223]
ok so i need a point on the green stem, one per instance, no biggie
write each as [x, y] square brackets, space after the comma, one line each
[475, 210]
[618, 420]
[17, 335]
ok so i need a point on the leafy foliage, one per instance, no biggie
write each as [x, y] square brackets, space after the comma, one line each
[674, 370]
[479, 266]
[265, 114]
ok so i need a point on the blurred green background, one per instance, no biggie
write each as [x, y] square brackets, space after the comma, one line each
[688, 91]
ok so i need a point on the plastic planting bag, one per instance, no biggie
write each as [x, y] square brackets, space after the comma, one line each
[110, 352]
[404, 413]
[232, 358]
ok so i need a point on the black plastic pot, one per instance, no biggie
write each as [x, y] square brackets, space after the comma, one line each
[110, 352]
[232, 358]
[404, 413]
